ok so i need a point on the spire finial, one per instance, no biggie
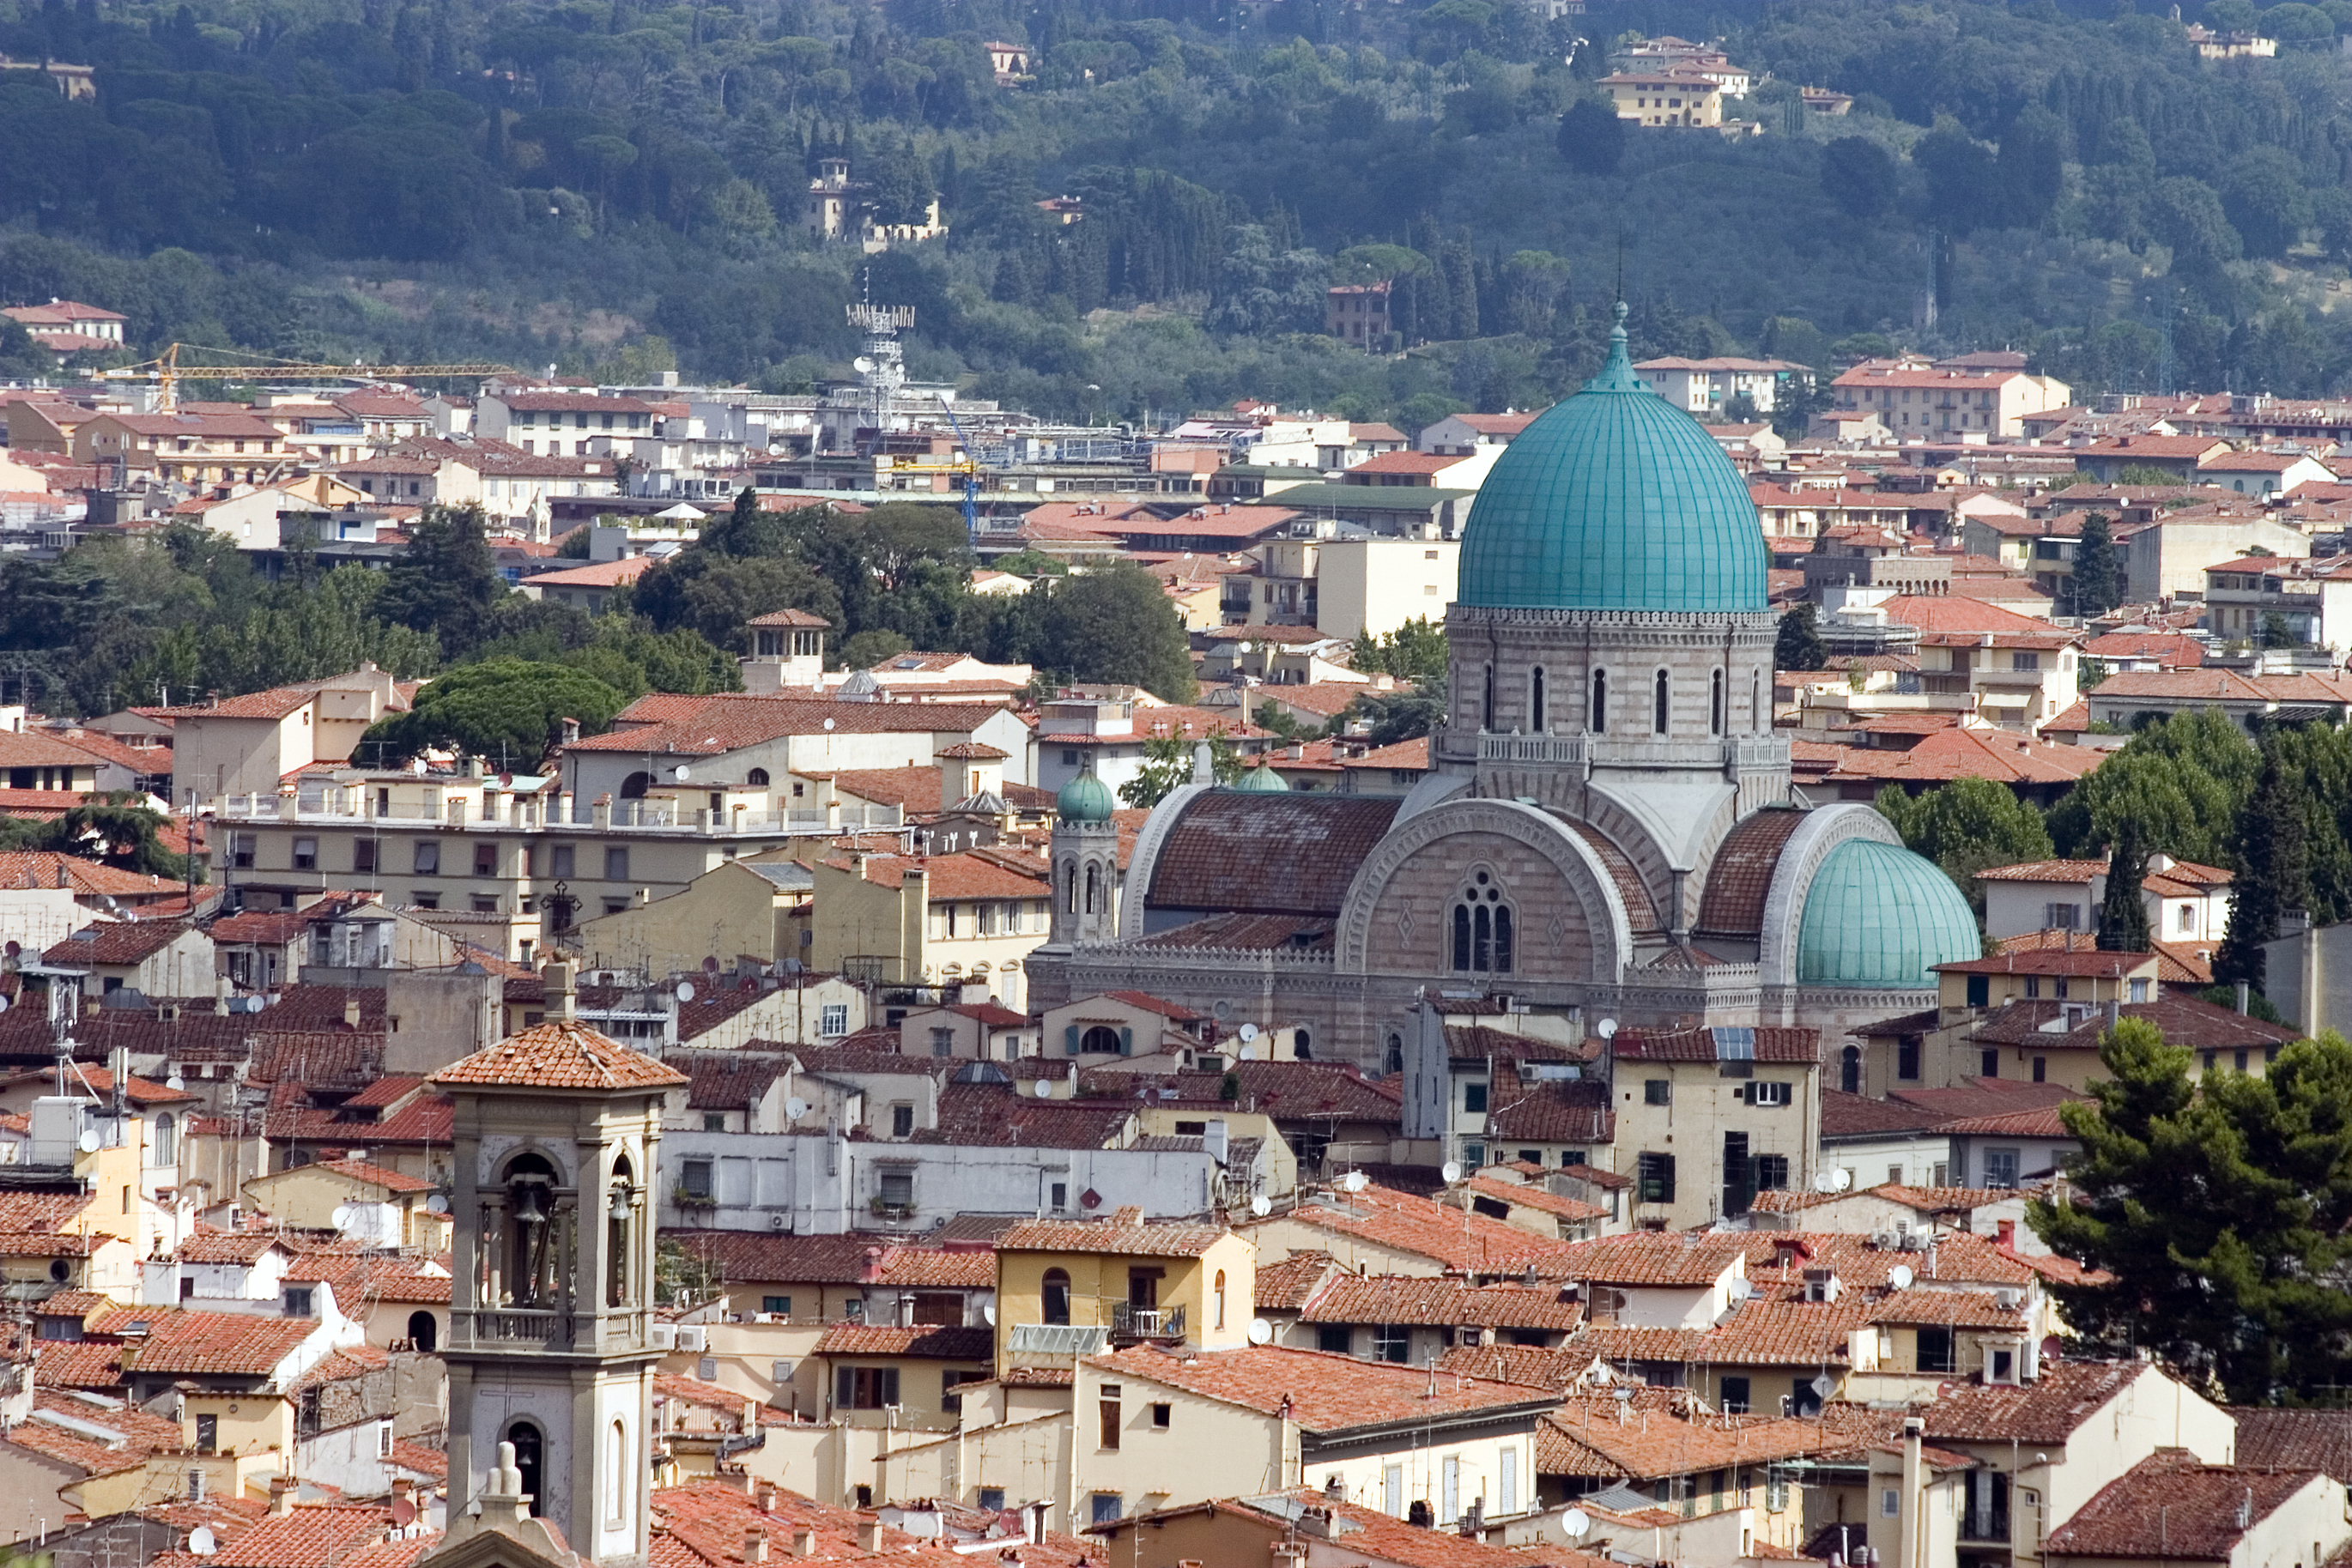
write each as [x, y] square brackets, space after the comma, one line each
[1617, 373]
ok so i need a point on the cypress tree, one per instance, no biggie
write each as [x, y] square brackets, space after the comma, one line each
[2273, 871]
[2098, 569]
[2123, 918]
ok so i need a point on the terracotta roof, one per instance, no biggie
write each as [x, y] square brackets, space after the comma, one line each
[1324, 1394]
[208, 1245]
[2294, 1439]
[308, 1535]
[1961, 1308]
[1647, 1258]
[762, 1257]
[935, 1269]
[191, 1344]
[1372, 1535]
[978, 1343]
[49, 868]
[993, 1115]
[124, 943]
[1534, 1365]
[2047, 1410]
[1572, 1111]
[1847, 1115]
[2172, 1508]
[1402, 1223]
[1287, 1286]
[1215, 853]
[1119, 1235]
[560, 1054]
[1533, 1195]
[710, 725]
[1443, 1303]
[1786, 1046]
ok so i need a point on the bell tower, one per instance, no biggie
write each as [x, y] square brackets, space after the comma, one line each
[552, 1347]
[1086, 863]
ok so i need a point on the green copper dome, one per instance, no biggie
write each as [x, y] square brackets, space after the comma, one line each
[1614, 499]
[1084, 798]
[1880, 915]
[1262, 780]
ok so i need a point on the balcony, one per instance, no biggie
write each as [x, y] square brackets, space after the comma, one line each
[1132, 1324]
[519, 1326]
[1985, 1524]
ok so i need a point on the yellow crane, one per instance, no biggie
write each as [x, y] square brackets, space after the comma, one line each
[167, 372]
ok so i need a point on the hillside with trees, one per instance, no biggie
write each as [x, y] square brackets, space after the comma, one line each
[616, 187]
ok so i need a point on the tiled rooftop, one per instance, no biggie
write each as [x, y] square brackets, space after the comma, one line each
[1325, 1394]
[559, 1054]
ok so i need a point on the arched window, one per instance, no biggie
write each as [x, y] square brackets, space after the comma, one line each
[1714, 707]
[1483, 935]
[531, 1459]
[635, 786]
[1093, 885]
[531, 1271]
[1487, 702]
[1850, 1070]
[1054, 1297]
[1600, 725]
[620, 1211]
[757, 776]
[1539, 714]
[424, 1331]
[1660, 692]
[1300, 1046]
[1070, 887]
[167, 1140]
[1756, 702]
[1396, 1062]
[1100, 1041]
[616, 1475]
[1221, 1298]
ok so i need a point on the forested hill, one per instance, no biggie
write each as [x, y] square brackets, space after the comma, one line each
[608, 183]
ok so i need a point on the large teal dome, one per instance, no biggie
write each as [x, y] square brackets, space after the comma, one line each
[1877, 916]
[1614, 499]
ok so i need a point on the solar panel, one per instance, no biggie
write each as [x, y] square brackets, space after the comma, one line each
[1733, 1044]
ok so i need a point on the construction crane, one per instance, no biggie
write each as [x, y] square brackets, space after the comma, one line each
[167, 372]
[971, 467]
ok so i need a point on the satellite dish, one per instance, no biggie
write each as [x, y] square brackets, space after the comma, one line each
[1450, 1172]
[1044, 1089]
[1900, 1276]
[1576, 1522]
[1625, 1396]
[404, 1513]
[1739, 1290]
[90, 1141]
[1242, 647]
[989, 1312]
[1261, 1332]
[1825, 1181]
[1824, 1386]
[202, 1541]
[1844, 1178]
[828, 725]
[710, 963]
[1355, 1181]
[13, 948]
[341, 1217]
[686, 990]
[1261, 1206]
[175, 1083]
[1606, 1028]
[795, 1108]
[1248, 1032]
[437, 1203]
[4, 1004]
[1090, 1198]
[862, 365]
[679, 773]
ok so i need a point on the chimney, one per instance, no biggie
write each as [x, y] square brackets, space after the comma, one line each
[556, 982]
[869, 1535]
[352, 1014]
[803, 1541]
[755, 1546]
[570, 732]
[767, 1497]
[281, 1496]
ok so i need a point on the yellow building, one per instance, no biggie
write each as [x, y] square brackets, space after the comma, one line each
[1666, 98]
[374, 1204]
[1135, 1283]
[903, 1378]
[929, 920]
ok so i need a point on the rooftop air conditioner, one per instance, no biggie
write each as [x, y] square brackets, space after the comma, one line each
[693, 1337]
[664, 1337]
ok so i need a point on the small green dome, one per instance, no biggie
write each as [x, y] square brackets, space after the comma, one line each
[1084, 798]
[1879, 916]
[1262, 780]
[1614, 499]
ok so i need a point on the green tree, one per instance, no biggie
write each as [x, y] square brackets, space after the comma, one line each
[1967, 827]
[510, 711]
[870, 647]
[2123, 916]
[2263, 197]
[1797, 645]
[447, 581]
[1167, 766]
[1406, 714]
[2183, 780]
[117, 829]
[2221, 1207]
[2098, 569]
[2276, 632]
[1860, 176]
[1116, 626]
[2273, 868]
[1278, 721]
[1415, 651]
[1591, 138]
